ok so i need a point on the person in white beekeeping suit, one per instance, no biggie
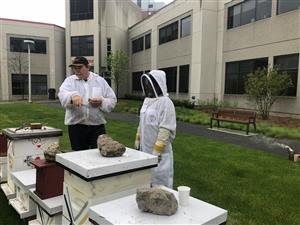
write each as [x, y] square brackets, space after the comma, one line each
[157, 126]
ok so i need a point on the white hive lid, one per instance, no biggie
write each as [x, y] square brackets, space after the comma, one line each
[27, 133]
[25, 179]
[90, 164]
[51, 205]
[197, 212]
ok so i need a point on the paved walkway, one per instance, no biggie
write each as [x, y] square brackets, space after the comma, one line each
[258, 142]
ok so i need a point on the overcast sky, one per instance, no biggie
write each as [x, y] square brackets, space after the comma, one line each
[48, 11]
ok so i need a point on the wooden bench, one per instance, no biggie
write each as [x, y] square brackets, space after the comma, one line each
[234, 116]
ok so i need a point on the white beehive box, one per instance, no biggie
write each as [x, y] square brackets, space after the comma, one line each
[24, 146]
[90, 179]
[48, 211]
[126, 211]
[3, 169]
[23, 180]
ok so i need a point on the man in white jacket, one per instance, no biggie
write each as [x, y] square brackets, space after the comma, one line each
[157, 126]
[86, 97]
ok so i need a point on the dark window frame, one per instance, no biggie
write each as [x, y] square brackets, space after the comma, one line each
[23, 81]
[232, 22]
[136, 81]
[76, 14]
[16, 44]
[108, 46]
[83, 47]
[168, 33]
[184, 79]
[171, 77]
[137, 45]
[293, 9]
[293, 72]
[190, 24]
[148, 41]
[236, 85]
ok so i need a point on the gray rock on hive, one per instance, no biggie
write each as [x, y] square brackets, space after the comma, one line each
[109, 147]
[156, 201]
[51, 151]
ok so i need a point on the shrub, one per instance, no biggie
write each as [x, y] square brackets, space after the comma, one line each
[215, 104]
[134, 97]
[184, 103]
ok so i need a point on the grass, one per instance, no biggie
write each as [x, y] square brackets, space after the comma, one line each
[256, 188]
[198, 117]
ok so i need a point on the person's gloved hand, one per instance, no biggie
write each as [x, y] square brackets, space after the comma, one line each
[158, 154]
[158, 149]
[137, 142]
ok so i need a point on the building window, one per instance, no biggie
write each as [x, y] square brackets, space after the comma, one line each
[171, 76]
[248, 11]
[81, 9]
[108, 46]
[289, 64]
[18, 45]
[287, 5]
[82, 46]
[139, 3]
[236, 73]
[184, 71]
[168, 33]
[20, 84]
[263, 9]
[136, 81]
[185, 26]
[138, 45]
[107, 76]
[148, 41]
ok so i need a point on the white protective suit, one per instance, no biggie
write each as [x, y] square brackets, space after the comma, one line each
[95, 86]
[157, 129]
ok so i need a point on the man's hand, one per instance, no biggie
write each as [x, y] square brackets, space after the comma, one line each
[95, 102]
[77, 100]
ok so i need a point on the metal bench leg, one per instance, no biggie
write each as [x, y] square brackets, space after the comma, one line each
[211, 123]
[247, 129]
[254, 124]
[218, 123]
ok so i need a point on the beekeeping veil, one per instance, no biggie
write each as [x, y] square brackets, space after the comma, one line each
[154, 84]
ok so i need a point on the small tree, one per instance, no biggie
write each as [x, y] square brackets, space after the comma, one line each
[264, 86]
[118, 64]
[18, 63]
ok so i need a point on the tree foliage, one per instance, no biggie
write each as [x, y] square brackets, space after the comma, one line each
[18, 63]
[264, 87]
[118, 65]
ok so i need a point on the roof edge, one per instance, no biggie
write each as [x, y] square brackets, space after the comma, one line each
[28, 21]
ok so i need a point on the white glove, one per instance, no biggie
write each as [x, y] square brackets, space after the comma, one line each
[137, 141]
[137, 144]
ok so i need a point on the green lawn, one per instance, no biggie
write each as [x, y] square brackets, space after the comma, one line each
[255, 187]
